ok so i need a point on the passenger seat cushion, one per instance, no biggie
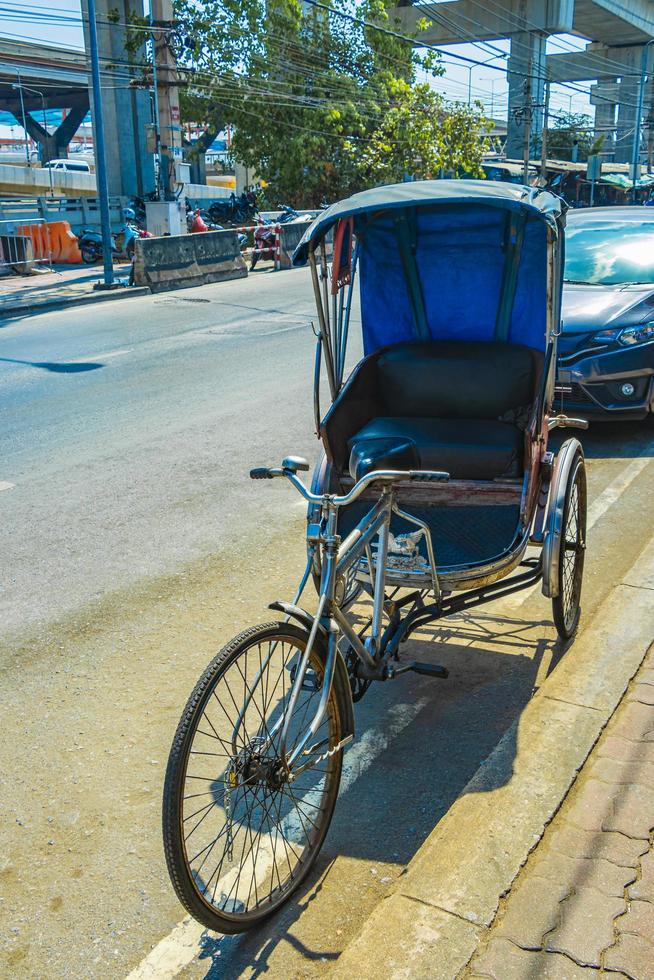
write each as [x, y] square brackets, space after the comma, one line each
[467, 449]
[432, 382]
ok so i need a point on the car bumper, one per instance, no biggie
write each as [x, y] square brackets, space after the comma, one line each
[591, 386]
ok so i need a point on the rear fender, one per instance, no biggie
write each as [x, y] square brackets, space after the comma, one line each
[554, 520]
[341, 679]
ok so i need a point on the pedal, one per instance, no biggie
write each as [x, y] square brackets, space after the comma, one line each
[429, 670]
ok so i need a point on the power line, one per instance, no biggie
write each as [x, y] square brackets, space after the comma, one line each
[447, 57]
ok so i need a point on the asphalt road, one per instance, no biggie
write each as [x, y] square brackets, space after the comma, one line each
[133, 546]
[129, 431]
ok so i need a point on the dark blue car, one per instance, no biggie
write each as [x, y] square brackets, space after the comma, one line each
[606, 350]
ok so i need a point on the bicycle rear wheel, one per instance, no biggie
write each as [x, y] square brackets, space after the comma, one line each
[239, 838]
[566, 606]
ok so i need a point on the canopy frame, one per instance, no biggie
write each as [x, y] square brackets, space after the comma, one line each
[334, 305]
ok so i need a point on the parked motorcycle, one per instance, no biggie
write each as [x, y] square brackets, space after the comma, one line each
[234, 210]
[265, 236]
[122, 243]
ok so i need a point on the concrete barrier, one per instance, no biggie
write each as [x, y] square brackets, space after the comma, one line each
[53, 240]
[175, 262]
[291, 234]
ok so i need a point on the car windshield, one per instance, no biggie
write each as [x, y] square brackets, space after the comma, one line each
[609, 253]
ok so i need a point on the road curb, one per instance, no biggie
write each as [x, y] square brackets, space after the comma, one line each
[442, 906]
[44, 306]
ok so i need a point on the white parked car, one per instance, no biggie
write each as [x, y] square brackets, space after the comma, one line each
[74, 166]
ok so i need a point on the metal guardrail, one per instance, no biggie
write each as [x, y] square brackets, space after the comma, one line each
[19, 252]
[80, 213]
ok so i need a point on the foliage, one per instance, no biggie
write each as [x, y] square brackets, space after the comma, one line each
[572, 128]
[321, 105]
[420, 136]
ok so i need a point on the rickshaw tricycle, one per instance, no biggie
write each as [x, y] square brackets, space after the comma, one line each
[435, 478]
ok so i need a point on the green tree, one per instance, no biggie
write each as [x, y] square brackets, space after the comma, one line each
[420, 136]
[321, 105]
[570, 129]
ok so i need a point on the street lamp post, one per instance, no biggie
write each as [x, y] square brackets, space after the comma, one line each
[35, 91]
[493, 79]
[639, 114]
[22, 109]
[100, 160]
[480, 64]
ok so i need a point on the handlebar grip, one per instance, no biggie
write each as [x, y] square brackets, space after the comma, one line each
[261, 473]
[429, 476]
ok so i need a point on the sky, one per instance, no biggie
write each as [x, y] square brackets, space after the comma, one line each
[59, 22]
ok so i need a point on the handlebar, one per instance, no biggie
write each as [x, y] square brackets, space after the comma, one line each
[387, 477]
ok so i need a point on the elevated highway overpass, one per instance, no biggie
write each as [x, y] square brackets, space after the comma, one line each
[24, 182]
[617, 30]
[58, 78]
[61, 76]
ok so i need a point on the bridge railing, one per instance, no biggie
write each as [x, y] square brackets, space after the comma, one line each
[80, 213]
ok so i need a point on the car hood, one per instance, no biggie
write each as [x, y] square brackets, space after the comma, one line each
[588, 308]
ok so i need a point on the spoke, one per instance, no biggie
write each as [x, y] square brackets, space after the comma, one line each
[238, 712]
[229, 719]
[195, 812]
[252, 700]
[206, 814]
[301, 812]
[215, 733]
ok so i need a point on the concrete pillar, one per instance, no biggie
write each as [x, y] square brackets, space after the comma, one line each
[648, 126]
[624, 140]
[127, 110]
[603, 97]
[526, 74]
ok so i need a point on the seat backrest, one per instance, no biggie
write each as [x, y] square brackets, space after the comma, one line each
[454, 380]
[432, 379]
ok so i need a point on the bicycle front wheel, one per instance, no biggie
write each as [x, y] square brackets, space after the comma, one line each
[240, 837]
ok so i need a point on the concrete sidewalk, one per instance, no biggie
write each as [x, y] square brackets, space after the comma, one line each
[65, 286]
[583, 906]
[573, 853]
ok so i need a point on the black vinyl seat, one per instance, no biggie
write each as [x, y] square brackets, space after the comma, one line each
[470, 449]
[441, 405]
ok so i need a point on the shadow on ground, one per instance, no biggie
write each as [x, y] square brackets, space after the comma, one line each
[61, 367]
[495, 663]
[388, 811]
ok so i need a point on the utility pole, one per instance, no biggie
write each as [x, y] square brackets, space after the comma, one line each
[155, 94]
[166, 96]
[543, 146]
[526, 116]
[99, 148]
[639, 116]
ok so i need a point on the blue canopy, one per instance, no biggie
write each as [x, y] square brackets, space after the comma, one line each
[450, 260]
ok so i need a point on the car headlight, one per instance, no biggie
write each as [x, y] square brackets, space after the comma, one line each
[627, 336]
[636, 335]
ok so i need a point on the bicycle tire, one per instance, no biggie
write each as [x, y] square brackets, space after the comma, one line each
[566, 606]
[225, 915]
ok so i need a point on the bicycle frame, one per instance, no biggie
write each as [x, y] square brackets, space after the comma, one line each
[338, 557]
